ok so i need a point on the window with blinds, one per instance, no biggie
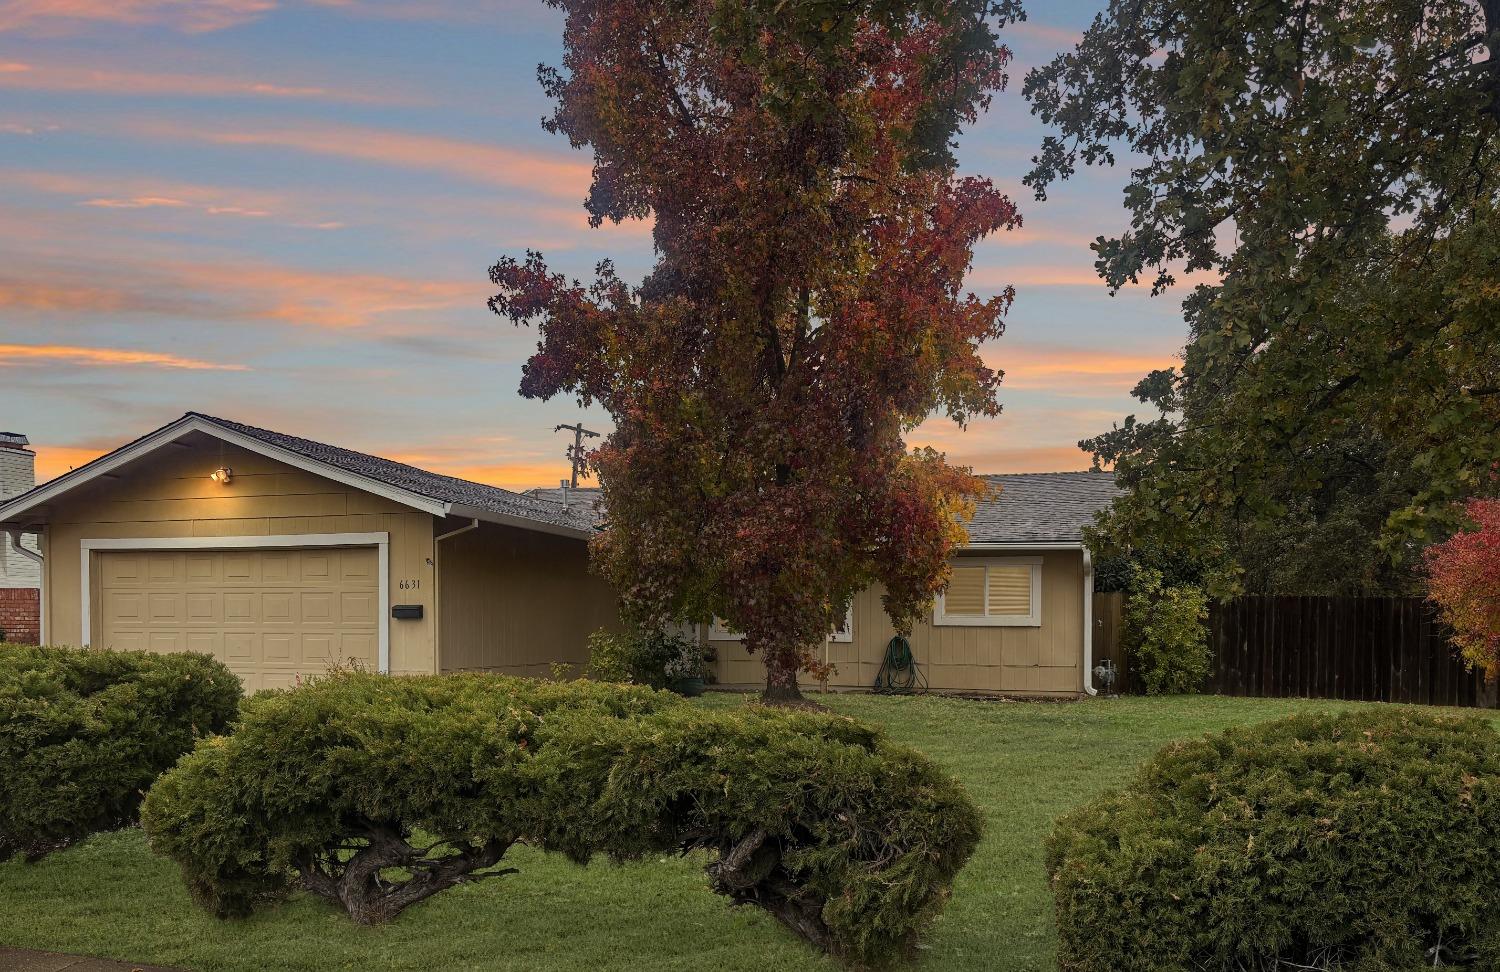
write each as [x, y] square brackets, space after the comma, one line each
[993, 592]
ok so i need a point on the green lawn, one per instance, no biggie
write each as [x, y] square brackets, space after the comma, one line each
[1023, 762]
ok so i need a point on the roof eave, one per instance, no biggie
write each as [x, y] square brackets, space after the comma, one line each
[172, 431]
[515, 520]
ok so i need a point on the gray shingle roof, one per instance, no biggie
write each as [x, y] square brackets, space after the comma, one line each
[585, 499]
[445, 489]
[1041, 507]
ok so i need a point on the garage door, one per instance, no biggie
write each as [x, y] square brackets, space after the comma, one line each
[270, 615]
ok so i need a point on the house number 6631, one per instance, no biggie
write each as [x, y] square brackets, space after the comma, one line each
[410, 585]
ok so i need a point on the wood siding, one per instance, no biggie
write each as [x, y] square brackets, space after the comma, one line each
[169, 494]
[516, 601]
[1046, 660]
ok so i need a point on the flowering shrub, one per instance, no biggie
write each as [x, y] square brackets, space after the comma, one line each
[1463, 579]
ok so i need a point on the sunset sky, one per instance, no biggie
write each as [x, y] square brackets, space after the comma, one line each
[283, 212]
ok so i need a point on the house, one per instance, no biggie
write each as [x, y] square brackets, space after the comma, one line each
[20, 571]
[1016, 618]
[281, 556]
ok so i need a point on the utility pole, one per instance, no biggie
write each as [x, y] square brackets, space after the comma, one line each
[575, 451]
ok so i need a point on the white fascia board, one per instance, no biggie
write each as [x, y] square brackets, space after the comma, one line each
[1052, 545]
[192, 423]
[525, 523]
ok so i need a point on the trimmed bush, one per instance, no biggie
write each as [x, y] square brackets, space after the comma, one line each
[1356, 842]
[84, 733]
[849, 840]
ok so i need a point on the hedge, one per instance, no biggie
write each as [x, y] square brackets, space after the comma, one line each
[848, 839]
[84, 733]
[1362, 841]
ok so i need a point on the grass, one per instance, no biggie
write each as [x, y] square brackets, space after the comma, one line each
[1024, 763]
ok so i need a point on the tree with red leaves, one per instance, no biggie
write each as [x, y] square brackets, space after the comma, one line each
[806, 310]
[1463, 578]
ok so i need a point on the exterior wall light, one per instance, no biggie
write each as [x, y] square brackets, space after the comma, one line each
[222, 475]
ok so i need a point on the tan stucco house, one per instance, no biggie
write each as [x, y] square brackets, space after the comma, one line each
[280, 555]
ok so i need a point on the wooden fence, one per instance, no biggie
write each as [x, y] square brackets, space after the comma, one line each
[1385, 649]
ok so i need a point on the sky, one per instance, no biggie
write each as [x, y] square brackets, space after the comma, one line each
[283, 212]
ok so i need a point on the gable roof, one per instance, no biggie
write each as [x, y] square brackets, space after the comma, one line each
[418, 488]
[1041, 507]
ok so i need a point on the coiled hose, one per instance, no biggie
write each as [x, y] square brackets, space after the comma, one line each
[899, 673]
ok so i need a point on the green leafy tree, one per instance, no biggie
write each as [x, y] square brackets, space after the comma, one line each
[806, 310]
[1336, 166]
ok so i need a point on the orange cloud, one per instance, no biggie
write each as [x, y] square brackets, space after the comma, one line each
[479, 162]
[1041, 367]
[230, 292]
[73, 77]
[12, 354]
[188, 16]
[53, 461]
[1069, 275]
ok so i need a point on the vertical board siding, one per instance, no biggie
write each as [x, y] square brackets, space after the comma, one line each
[1374, 649]
[517, 601]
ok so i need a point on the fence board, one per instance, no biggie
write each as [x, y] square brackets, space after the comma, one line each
[1387, 649]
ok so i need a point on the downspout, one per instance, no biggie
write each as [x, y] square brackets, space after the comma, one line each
[1088, 623]
[41, 563]
[437, 591]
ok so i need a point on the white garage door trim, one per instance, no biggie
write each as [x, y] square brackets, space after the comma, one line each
[379, 540]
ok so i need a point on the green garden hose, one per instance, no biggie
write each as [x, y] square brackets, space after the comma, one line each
[899, 672]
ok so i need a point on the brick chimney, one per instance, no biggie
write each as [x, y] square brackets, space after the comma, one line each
[20, 578]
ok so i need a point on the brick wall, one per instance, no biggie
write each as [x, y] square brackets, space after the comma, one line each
[20, 614]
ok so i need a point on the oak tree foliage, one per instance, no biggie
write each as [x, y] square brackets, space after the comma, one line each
[1335, 167]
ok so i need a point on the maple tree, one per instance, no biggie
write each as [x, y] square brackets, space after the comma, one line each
[805, 312]
[1334, 170]
[1463, 579]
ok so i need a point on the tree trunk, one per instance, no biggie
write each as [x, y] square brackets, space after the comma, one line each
[781, 678]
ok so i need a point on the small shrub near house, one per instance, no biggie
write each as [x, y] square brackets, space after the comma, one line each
[84, 733]
[1166, 634]
[1357, 842]
[654, 658]
[848, 839]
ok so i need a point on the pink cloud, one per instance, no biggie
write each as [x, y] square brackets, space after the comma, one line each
[188, 16]
[1059, 37]
[12, 355]
[126, 82]
[553, 175]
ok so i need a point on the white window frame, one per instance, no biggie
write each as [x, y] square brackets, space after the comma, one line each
[381, 541]
[847, 635]
[941, 618]
[717, 631]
